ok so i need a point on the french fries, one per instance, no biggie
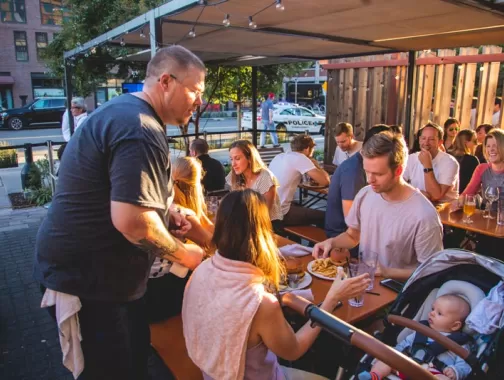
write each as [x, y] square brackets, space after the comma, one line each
[326, 267]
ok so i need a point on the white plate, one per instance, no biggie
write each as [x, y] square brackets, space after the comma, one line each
[309, 267]
[305, 282]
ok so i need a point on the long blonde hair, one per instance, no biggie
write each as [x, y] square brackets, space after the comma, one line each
[187, 174]
[243, 232]
[254, 159]
[459, 147]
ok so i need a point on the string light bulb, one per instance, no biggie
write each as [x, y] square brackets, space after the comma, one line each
[93, 50]
[226, 21]
[122, 42]
[252, 23]
[279, 6]
[192, 33]
[142, 35]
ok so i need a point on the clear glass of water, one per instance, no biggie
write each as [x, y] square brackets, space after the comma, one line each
[357, 268]
[368, 263]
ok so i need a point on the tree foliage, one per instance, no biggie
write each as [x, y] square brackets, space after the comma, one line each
[89, 19]
[235, 83]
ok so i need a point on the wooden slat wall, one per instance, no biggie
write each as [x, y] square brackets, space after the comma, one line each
[373, 95]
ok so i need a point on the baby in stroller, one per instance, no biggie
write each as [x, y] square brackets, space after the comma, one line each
[447, 316]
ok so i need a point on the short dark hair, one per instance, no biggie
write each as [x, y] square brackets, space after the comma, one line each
[487, 127]
[386, 144]
[301, 142]
[498, 101]
[430, 124]
[450, 121]
[343, 128]
[176, 58]
[200, 146]
[375, 129]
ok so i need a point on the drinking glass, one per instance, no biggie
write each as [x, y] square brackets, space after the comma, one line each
[368, 262]
[212, 206]
[500, 212]
[356, 268]
[469, 208]
[491, 195]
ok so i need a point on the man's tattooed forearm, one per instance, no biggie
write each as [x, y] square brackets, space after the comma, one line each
[162, 246]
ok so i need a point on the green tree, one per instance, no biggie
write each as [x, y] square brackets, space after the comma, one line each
[89, 19]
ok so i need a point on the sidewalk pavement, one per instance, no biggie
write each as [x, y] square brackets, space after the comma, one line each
[29, 342]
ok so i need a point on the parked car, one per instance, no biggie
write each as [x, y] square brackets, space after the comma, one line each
[41, 112]
[290, 118]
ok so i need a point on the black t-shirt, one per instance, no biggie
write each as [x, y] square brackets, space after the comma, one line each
[120, 154]
[467, 166]
[215, 176]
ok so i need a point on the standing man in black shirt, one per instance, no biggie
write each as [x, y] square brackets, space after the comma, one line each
[214, 177]
[109, 217]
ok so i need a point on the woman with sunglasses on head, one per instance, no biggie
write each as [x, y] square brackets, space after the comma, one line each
[451, 128]
[233, 321]
[248, 171]
[463, 150]
[164, 289]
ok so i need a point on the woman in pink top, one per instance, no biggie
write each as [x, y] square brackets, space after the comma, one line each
[233, 322]
[492, 172]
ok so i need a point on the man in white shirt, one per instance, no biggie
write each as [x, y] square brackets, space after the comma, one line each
[289, 169]
[78, 109]
[432, 171]
[346, 145]
[389, 217]
[497, 113]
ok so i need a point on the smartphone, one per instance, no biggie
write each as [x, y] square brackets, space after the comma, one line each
[395, 285]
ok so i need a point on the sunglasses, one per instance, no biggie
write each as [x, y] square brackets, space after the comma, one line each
[453, 129]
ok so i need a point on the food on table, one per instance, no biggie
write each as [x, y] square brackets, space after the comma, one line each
[326, 267]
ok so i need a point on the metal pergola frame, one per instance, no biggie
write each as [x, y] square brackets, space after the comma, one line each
[324, 40]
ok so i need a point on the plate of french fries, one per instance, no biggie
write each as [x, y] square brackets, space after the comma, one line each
[325, 268]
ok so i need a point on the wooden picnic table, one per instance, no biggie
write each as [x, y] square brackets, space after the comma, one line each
[479, 225]
[316, 193]
[167, 337]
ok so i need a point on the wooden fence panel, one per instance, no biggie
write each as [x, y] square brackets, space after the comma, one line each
[465, 88]
[489, 78]
[376, 83]
[444, 86]
[361, 106]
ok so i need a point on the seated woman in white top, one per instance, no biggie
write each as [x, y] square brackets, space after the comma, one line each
[233, 322]
[164, 289]
[250, 172]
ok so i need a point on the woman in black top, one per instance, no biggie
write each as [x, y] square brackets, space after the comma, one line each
[463, 151]
[451, 128]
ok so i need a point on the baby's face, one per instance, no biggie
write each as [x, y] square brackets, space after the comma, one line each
[445, 316]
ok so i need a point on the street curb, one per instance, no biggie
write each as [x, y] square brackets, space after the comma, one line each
[5, 202]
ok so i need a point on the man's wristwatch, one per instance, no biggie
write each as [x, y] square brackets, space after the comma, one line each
[426, 170]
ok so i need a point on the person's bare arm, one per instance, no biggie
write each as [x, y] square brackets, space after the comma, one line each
[348, 239]
[144, 228]
[277, 334]
[347, 205]
[270, 196]
[435, 191]
[198, 233]
[397, 273]
[320, 176]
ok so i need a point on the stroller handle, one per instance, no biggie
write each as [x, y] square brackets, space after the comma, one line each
[428, 332]
[355, 337]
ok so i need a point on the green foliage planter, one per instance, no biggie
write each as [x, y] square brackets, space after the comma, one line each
[8, 157]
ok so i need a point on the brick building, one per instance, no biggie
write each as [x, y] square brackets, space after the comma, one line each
[26, 28]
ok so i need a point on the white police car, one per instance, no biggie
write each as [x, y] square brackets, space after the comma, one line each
[290, 118]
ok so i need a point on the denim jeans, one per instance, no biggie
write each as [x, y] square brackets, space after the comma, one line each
[270, 127]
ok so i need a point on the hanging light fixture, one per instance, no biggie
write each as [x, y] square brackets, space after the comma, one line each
[226, 21]
[252, 23]
[279, 6]
[192, 33]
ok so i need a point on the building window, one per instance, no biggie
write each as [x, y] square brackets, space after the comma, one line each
[13, 11]
[53, 12]
[41, 40]
[21, 45]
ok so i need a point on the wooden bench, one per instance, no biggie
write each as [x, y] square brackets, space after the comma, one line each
[268, 154]
[311, 233]
[167, 338]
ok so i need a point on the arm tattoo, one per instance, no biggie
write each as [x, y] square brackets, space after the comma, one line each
[160, 244]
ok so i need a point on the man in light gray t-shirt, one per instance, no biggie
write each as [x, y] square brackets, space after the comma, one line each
[389, 216]
[403, 233]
